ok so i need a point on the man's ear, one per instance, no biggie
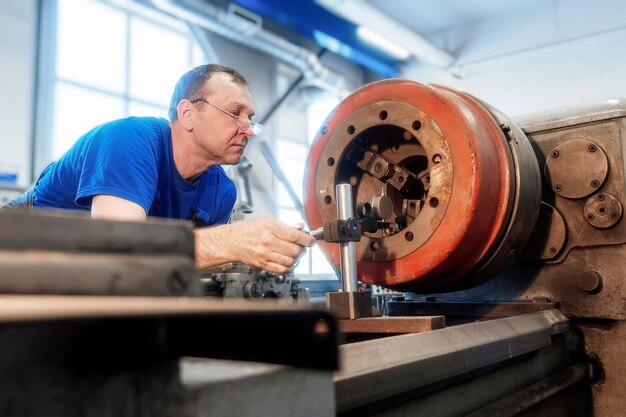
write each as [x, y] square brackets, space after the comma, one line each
[185, 112]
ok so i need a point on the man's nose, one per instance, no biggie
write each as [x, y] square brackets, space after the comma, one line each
[247, 131]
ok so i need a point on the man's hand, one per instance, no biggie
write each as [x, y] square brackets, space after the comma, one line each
[263, 243]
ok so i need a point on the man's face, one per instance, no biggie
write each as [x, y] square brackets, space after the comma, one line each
[217, 133]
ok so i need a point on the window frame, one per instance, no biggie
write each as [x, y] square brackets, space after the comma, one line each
[48, 79]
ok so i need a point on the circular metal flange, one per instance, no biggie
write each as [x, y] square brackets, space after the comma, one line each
[459, 214]
[576, 168]
[551, 240]
[392, 138]
[524, 198]
[603, 210]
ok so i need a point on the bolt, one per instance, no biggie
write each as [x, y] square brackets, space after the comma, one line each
[505, 128]
[437, 158]
[590, 217]
[552, 250]
[595, 183]
[614, 215]
[601, 197]
[590, 282]
[557, 188]
[378, 167]
[351, 130]
[324, 130]
[593, 148]
[554, 154]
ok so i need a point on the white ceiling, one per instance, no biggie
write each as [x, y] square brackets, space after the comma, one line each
[428, 17]
[479, 29]
[519, 55]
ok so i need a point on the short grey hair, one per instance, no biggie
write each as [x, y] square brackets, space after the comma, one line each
[190, 84]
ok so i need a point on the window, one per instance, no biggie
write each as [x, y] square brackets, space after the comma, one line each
[104, 68]
[91, 44]
[77, 109]
[292, 154]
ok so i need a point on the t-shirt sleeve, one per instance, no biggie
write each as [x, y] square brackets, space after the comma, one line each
[121, 160]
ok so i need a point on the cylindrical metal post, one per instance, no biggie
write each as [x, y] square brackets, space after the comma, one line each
[345, 209]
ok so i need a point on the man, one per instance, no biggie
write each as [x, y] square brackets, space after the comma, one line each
[142, 166]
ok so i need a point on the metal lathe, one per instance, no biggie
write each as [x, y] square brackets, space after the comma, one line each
[497, 245]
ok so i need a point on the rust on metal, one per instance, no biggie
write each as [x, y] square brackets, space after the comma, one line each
[392, 325]
[349, 304]
[451, 173]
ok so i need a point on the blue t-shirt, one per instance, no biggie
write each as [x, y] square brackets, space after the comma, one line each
[132, 159]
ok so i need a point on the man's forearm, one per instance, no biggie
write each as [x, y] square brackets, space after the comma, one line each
[213, 246]
[262, 243]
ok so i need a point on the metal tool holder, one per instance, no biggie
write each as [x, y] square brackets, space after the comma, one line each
[349, 303]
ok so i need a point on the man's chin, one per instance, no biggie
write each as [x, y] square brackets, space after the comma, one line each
[233, 160]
